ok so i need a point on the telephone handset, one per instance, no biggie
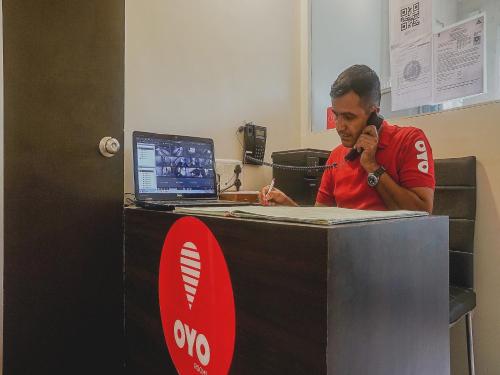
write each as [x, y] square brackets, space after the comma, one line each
[374, 119]
[254, 144]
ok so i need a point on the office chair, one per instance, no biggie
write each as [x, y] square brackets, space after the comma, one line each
[455, 196]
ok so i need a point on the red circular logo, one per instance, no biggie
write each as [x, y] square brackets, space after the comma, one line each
[196, 300]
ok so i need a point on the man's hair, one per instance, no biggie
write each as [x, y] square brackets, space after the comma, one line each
[360, 79]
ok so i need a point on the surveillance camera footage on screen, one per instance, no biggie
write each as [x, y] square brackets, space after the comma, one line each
[172, 166]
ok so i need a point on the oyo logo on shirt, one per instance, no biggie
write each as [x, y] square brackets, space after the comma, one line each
[423, 165]
[196, 300]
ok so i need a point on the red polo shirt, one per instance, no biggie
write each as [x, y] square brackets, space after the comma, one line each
[404, 152]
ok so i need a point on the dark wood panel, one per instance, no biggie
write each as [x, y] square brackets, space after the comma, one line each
[146, 351]
[63, 78]
[386, 301]
[269, 276]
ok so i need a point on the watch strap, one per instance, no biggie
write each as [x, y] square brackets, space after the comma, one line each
[379, 172]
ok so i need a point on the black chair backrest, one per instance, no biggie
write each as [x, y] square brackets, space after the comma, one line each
[455, 196]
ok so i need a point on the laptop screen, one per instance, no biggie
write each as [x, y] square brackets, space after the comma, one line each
[173, 167]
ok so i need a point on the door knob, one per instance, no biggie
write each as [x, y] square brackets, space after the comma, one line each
[109, 146]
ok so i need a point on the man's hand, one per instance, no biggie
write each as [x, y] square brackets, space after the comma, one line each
[275, 197]
[367, 143]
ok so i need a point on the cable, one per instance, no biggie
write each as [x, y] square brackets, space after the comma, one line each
[295, 168]
[235, 177]
[230, 180]
[239, 130]
[227, 188]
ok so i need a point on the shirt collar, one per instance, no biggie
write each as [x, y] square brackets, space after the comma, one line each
[386, 134]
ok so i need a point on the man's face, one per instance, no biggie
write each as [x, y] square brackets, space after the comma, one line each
[350, 117]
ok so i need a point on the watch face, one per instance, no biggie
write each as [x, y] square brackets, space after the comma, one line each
[372, 179]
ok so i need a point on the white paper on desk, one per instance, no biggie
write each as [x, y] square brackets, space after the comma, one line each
[309, 215]
[459, 64]
[411, 70]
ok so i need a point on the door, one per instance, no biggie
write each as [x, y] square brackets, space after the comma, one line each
[64, 91]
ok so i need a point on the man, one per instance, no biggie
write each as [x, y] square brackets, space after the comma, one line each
[395, 170]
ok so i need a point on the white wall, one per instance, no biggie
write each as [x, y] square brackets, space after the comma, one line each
[203, 67]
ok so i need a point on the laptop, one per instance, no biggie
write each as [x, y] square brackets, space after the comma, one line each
[175, 171]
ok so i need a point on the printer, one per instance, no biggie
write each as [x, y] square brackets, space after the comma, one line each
[302, 186]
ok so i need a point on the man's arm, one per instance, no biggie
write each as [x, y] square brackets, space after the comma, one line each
[275, 197]
[395, 197]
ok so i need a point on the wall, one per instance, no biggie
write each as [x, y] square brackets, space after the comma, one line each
[204, 67]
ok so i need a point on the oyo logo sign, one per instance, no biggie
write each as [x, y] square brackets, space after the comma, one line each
[423, 165]
[191, 270]
[196, 300]
[183, 334]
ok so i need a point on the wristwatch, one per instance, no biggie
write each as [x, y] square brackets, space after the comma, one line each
[374, 177]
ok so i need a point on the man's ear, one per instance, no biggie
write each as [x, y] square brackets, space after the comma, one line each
[373, 108]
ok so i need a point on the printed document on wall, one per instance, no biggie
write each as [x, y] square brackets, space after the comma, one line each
[410, 19]
[411, 53]
[411, 71]
[459, 63]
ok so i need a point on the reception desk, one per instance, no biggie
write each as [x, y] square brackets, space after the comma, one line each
[366, 298]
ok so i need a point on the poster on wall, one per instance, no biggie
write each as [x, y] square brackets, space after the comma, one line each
[411, 67]
[410, 19]
[411, 53]
[459, 63]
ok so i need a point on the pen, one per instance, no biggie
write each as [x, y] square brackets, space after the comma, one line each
[270, 188]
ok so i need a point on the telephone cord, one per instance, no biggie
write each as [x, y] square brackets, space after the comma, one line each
[295, 168]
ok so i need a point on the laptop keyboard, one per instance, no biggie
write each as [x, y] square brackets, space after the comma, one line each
[192, 203]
